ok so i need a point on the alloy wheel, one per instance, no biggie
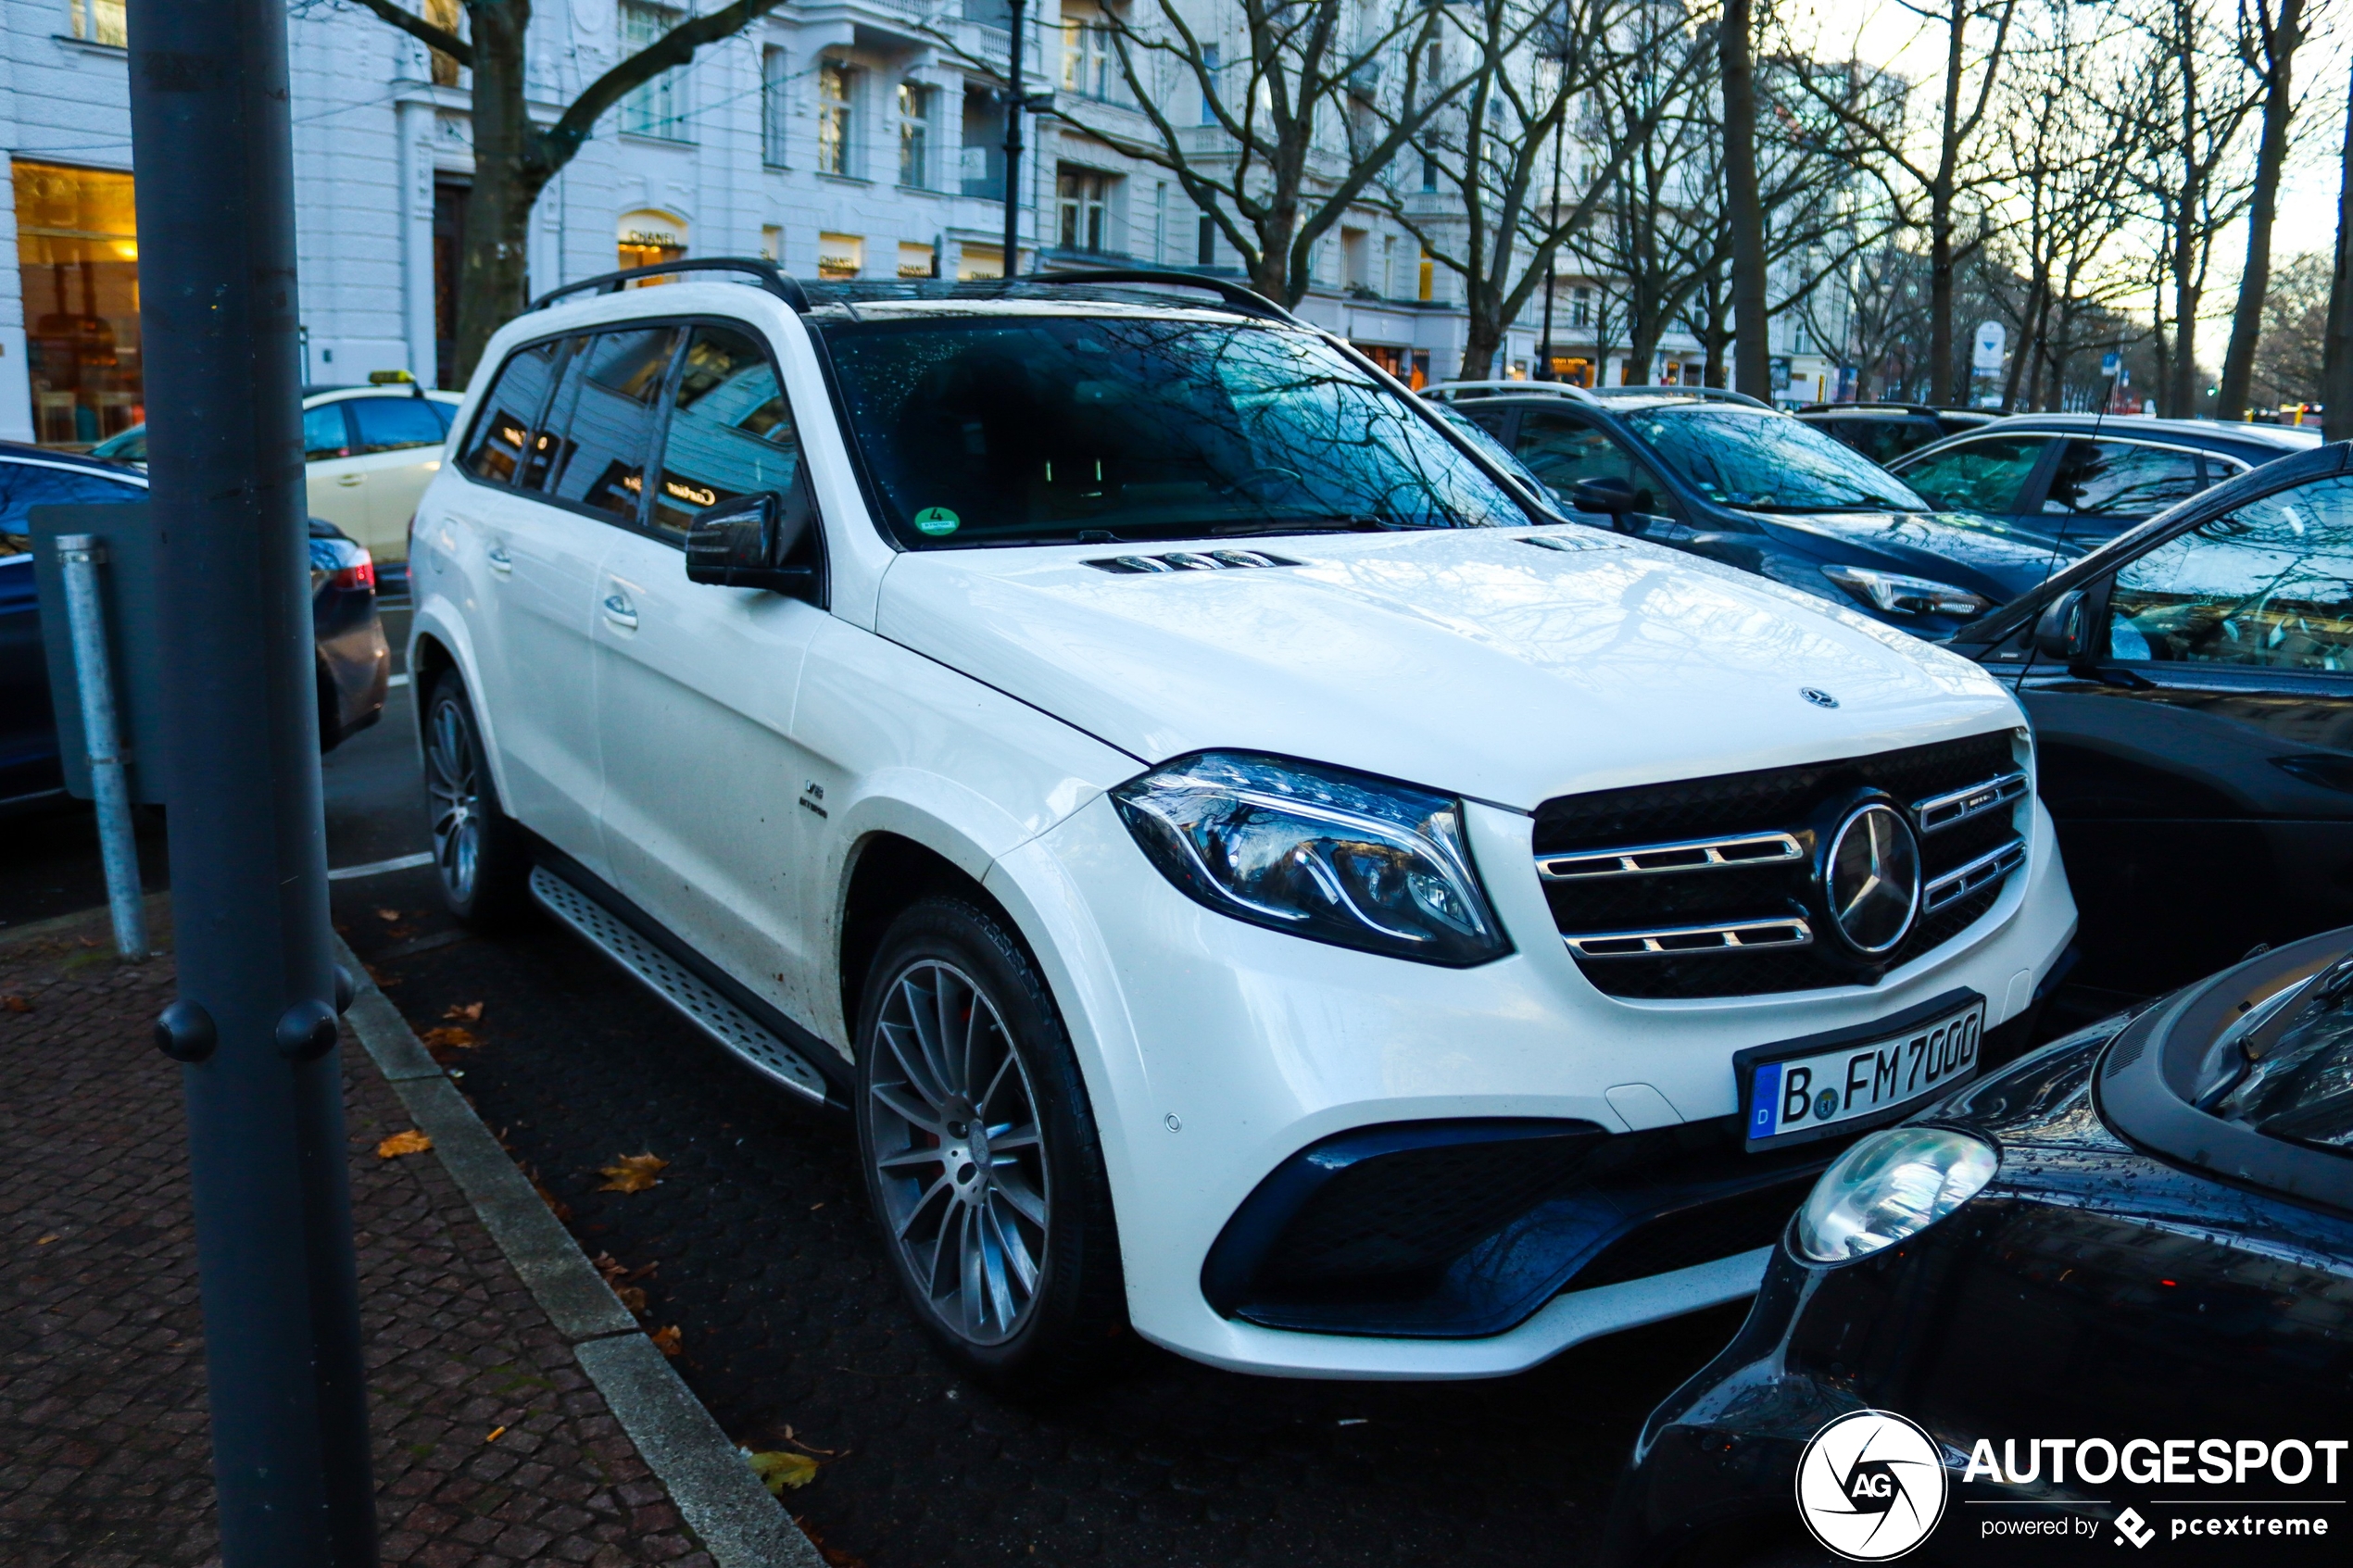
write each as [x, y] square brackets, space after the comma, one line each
[453, 787]
[957, 1158]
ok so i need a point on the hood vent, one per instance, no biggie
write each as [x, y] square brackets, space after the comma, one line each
[1569, 543]
[1191, 560]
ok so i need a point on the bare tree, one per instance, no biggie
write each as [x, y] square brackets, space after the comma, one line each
[2268, 39]
[1875, 308]
[515, 155]
[2288, 359]
[1948, 163]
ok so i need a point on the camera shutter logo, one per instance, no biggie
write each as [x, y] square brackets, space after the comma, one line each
[1870, 1485]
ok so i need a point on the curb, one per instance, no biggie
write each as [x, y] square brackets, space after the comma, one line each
[716, 1493]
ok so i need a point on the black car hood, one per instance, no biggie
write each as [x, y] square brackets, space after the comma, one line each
[1982, 554]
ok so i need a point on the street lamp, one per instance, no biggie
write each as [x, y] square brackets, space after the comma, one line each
[1018, 102]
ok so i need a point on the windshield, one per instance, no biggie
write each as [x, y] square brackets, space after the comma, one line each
[1769, 462]
[1073, 429]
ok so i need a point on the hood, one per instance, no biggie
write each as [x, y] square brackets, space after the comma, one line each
[1986, 555]
[1478, 663]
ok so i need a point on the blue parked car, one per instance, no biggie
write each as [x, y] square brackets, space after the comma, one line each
[354, 664]
[1721, 475]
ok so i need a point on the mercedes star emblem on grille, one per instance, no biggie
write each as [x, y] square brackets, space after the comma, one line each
[1818, 696]
[1872, 878]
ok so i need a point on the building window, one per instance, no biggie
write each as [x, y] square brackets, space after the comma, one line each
[1205, 253]
[648, 239]
[1580, 307]
[979, 261]
[917, 261]
[1426, 287]
[776, 106]
[1159, 221]
[836, 92]
[443, 14]
[655, 108]
[840, 256]
[1209, 96]
[100, 21]
[914, 135]
[1088, 64]
[772, 243]
[1084, 196]
[1388, 267]
[1430, 172]
[982, 171]
[78, 260]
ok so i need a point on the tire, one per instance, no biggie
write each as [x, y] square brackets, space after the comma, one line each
[1006, 1246]
[481, 857]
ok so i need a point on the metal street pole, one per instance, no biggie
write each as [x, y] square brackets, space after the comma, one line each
[255, 1022]
[79, 557]
[1016, 101]
[1552, 264]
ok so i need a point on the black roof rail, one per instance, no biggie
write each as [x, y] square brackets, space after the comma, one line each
[785, 288]
[1248, 301]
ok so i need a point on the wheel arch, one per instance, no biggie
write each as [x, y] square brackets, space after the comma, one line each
[887, 872]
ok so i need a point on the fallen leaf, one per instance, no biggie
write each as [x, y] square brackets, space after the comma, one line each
[15, 1003]
[632, 1173]
[388, 914]
[442, 1036]
[44, 1241]
[667, 1341]
[496, 1433]
[409, 1142]
[470, 1012]
[632, 1297]
[777, 1470]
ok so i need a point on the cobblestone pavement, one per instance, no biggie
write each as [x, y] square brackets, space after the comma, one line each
[757, 1245]
[104, 1453]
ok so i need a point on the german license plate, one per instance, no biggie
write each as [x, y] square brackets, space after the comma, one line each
[1850, 1079]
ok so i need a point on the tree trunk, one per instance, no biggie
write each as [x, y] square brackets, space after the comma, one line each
[1744, 212]
[2336, 351]
[1483, 340]
[1941, 384]
[494, 260]
[2026, 320]
[2279, 104]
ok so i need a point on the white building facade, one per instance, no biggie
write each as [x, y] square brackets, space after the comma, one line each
[841, 138]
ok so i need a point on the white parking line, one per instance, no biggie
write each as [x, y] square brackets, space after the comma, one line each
[378, 867]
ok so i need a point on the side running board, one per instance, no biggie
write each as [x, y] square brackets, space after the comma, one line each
[714, 1014]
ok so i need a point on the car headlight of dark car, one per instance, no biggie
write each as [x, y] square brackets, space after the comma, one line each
[1319, 852]
[1907, 595]
[1890, 1187]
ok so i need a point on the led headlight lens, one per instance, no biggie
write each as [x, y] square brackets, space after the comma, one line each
[1330, 856]
[1891, 1187]
[1906, 595]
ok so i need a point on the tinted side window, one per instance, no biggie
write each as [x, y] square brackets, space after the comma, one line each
[24, 486]
[387, 424]
[592, 445]
[2114, 478]
[323, 433]
[2271, 585]
[494, 447]
[1560, 451]
[730, 432]
[1977, 476]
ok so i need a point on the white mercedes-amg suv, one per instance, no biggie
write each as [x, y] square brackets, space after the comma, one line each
[1251, 871]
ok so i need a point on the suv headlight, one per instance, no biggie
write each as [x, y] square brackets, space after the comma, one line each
[1889, 1187]
[1906, 595]
[1332, 856]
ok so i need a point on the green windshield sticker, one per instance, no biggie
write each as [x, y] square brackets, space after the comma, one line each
[935, 521]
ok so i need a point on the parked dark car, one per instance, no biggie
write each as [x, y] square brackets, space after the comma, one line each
[2191, 687]
[2133, 1242]
[2079, 480]
[1885, 432]
[1726, 477]
[353, 661]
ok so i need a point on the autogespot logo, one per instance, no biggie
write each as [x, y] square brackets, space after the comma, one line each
[1870, 1485]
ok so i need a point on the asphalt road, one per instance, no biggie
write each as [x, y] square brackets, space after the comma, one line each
[757, 1246]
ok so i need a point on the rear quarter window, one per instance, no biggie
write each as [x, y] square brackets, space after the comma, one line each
[511, 411]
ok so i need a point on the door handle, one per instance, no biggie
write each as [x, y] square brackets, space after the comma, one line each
[500, 561]
[347, 480]
[618, 612]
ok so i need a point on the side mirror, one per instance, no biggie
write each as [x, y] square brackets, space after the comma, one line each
[2063, 633]
[1612, 495]
[746, 542]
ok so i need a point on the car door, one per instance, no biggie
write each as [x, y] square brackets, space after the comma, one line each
[705, 791]
[335, 480]
[1560, 448]
[534, 565]
[396, 447]
[2101, 488]
[2198, 760]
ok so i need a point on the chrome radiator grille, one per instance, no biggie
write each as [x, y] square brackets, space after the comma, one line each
[1712, 887]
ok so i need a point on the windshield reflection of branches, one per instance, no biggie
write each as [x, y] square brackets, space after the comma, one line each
[1051, 428]
[1770, 463]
